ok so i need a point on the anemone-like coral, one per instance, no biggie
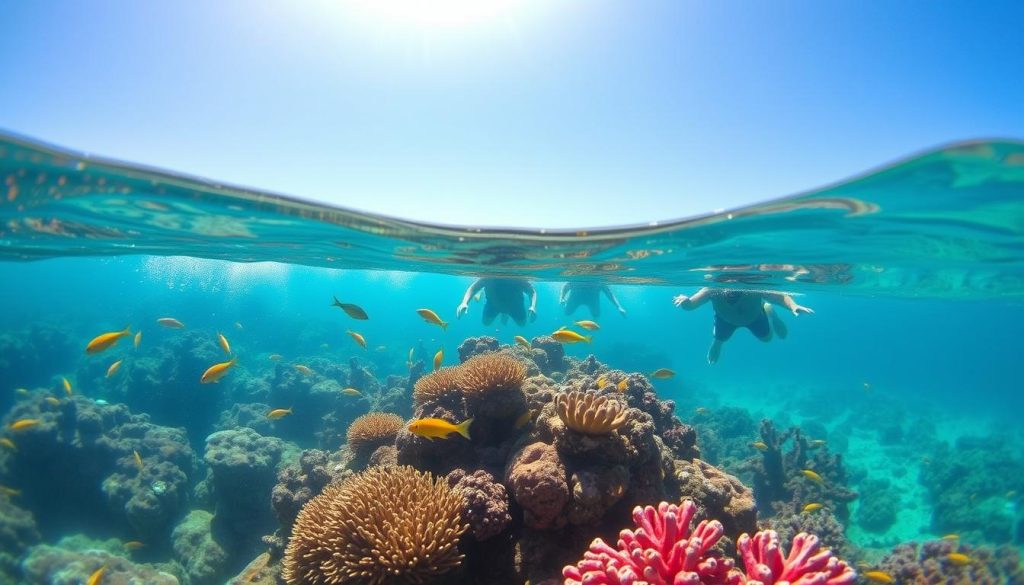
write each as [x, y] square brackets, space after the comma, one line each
[435, 385]
[589, 413]
[490, 372]
[387, 524]
[373, 430]
[766, 563]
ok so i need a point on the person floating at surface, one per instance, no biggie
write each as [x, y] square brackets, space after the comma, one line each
[575, 294]
[740, 308]
[502, 296]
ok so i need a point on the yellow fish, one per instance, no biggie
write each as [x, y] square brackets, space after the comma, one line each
[67, 386]
[759, 445]
[9, 492]
[354, 311]
[879, 577]
[818, 443]
[812, 475]
[8, 444]
[275, 357]
[951, 537]
[662, 373]
[351, 392]
[523, 342]
[959, 559]
[622, 386]
[114, 367]
[133, 545]
[436, 428]
[812, 507]
[138, 339]
[21, 391]
[279, 413]
[589, 325]
[223, 341]
[359, 338]
[523, 419]
[701, 410]
[238, 326]
[138, 460]
[52, 401]
[304, 370]
[106, 341]
[97, 577]
[601, 382]
[171, 322]
[24, 423]
[567, 336]
[438, 359]
[432, 318]
[214, 373]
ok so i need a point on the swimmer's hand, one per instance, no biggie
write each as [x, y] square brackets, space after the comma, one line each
[679, 300]
[797, 309]
[461, 310]
[622, 311]
[532, 311]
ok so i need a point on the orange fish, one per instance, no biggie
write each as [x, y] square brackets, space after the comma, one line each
[134, 545]
[106, 341]
[438, 359]
[24, 423]
[437, 428]
[223, 341]
[8, 444]
[138, 460]
[304, 370]
[359, 338]
[432, 318]
[278, 413]
[214, 373]
[97, 577]
[52, 401]
[67, 386]
[171, 322]
[114, 367]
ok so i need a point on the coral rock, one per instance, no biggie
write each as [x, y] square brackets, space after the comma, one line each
[536, 477]
[486, 509]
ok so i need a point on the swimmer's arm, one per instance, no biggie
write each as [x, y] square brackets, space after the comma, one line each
[533, 296]
[784, 300]
[563, 294]
[472, 290]
[611, 297]
[689, 303]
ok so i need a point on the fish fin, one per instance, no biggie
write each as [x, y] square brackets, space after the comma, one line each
[336, 302]
[444, 326]
[587, 338]
[127, 330]
[234, 360]
[463, 427]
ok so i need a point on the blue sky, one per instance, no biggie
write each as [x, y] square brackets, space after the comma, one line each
[546, 114]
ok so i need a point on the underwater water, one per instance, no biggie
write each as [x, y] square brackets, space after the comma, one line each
[902, 391]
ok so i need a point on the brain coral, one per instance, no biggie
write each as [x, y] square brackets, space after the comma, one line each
[373, 429]
[435, 384]
[589, 413]
[490, 372]
[385, 525]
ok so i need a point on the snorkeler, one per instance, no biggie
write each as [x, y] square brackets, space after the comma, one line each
[503, 296]
[575, 294]
[740, 308]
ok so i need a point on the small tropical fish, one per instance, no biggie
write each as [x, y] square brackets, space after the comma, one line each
[238, 326]
[601, 382]
[52, 401]
[1011, 494]
[21, 391]
[432, 318]
[438, 358]
[408, 361]
[170, 322]
[701, 410]
[359, 338]
[951, 537]
[567, 336]
[138, 339]
[97, 577]
[214, 373]
[662, 373]
[622, 386]
[24, 423]
[138, 460]
[106, 341]
[279, 413]
[8, 444]
[867, 387]
[9, 492]
[324, 346]
[354, 311]
[814, 506]
[436, 428]
[818, 443]
[879, 577]
[523, 419]
[351, 392]
[134, 545]
[223, 341]
[959, 559]
[812, 475]
[67, 386]
[523, 342]
[275, 357]
[304, 370]
[114, 367]
[759, 445]
[589, 325]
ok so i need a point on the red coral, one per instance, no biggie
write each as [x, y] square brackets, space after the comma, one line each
[662, 551]
[806, 564]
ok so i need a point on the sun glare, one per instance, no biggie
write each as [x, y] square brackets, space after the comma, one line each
[438, 14]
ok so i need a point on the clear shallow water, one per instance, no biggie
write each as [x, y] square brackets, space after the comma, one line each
[910, 362]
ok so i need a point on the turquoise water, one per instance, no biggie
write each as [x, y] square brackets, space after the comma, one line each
[908, 368]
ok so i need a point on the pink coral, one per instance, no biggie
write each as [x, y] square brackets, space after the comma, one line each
[806, 564]
[662, 551]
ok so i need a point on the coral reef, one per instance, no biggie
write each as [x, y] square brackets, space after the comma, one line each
[537, 480]
[66, 564]
[435, 385]
[477, 346]
[486, 502]
[373, 430]
[929, 564]
[28, 355]
[590, 414]
[790, 519]
[203, 559]
[717, 495]
[387, 524]
[879, 505]
[17, 533]
[807, 563]
[548, 354]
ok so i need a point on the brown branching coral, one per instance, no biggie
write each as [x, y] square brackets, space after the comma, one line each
[373, 429]
[589, 413]
[435, 385]
[490, 372]
[385, 525]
